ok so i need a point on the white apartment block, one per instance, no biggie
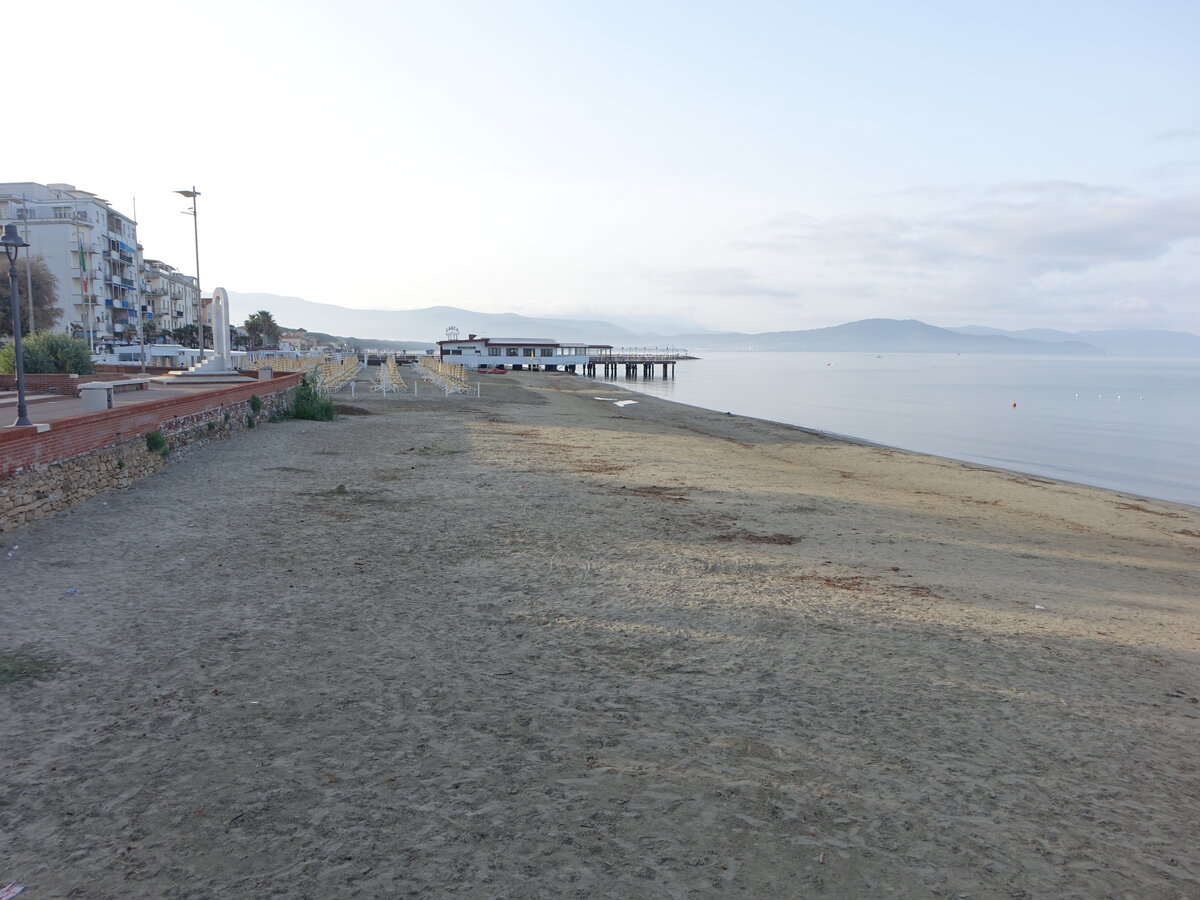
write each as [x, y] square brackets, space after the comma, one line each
[169, 295]
[104, 287]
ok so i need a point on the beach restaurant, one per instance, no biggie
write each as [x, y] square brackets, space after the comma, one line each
[477, 352]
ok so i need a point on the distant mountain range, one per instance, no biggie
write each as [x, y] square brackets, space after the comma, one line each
[1126, 342]
[419, 328]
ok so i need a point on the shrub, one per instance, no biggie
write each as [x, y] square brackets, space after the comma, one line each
[309, 403]
[255, 404]
[249, 421]
[17, 665]
[48, 351]
[156, 443]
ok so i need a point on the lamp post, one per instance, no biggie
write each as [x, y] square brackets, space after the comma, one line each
[192, 195]
[12, 244]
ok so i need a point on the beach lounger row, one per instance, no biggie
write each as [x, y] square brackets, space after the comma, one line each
[389, 378]
[451, 377]
[333, 375]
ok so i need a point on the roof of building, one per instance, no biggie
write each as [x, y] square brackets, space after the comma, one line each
[544, 342]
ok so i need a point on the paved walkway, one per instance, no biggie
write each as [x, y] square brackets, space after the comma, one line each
[53, 407]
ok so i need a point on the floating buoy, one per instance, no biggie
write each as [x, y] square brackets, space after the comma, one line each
[1014, 406]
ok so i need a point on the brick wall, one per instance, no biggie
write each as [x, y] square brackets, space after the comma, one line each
[84, 455]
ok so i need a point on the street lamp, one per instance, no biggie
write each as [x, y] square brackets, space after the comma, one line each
[192, 195]
[12, 244]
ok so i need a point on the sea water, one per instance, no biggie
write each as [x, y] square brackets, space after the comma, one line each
[1128, 424]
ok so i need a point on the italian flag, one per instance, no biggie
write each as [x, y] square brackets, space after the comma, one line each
[83, 268]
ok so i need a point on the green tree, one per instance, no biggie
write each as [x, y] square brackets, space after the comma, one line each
[45, 295]
[264, 331]
[48, 351]
[185, 335]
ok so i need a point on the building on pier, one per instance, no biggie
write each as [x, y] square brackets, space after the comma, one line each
[519, 353]
[554, 356]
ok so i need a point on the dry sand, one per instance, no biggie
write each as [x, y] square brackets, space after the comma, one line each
[537, 645]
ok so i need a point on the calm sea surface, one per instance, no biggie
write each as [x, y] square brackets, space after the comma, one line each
[1128, 424]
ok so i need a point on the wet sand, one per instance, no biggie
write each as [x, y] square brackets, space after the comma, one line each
[538, 645]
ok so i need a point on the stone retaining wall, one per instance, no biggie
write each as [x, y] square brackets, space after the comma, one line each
[87, 455]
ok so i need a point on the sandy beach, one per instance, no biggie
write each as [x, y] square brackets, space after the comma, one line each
[535, 644]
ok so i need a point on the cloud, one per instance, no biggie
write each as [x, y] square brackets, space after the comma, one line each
[718, 281]
[1029, 228]
[1179, 134]
[1023, 248]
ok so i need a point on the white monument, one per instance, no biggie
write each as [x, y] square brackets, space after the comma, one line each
[218, 368]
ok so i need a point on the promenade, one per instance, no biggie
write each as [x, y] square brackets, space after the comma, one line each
[534, 644]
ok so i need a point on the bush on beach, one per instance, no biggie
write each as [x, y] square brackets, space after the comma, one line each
[308, 402]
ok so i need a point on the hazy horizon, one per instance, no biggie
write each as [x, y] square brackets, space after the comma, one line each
[750, 168]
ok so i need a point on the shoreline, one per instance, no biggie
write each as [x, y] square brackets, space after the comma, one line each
[1047, 447]
[866, 442]
[537, 644]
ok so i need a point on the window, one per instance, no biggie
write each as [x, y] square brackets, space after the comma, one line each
[62, 212]
[493, 351]
[456, 352]
[513, 351]
[547, 353]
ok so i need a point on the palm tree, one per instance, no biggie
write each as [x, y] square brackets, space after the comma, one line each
[262, 328]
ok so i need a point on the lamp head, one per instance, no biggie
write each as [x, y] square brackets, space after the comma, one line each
[191, 193]
[12, 242]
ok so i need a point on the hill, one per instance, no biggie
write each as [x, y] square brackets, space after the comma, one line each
[419, 328]
[882, 335]
[1117, 342]
[422, 326]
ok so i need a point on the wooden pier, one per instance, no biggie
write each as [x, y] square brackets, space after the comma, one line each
[610, 364]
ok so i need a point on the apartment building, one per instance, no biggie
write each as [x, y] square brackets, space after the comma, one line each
[105, 289]
[170, 297]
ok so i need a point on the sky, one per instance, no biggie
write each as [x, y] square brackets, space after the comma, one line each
[748, 166]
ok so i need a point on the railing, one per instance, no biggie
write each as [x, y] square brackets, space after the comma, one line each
[639, 355]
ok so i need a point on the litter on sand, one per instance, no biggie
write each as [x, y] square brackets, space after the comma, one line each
[1035, 606]
[11, 890]
[615, 402]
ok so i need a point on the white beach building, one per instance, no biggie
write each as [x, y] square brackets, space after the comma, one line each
[519, 353]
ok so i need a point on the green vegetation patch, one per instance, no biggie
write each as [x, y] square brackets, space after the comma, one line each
[309, 402]
[156, 443]
[47, 351]
[25, 665]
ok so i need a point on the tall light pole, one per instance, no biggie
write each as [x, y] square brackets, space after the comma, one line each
[28, 269]
[192, 195]
[12, 244]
